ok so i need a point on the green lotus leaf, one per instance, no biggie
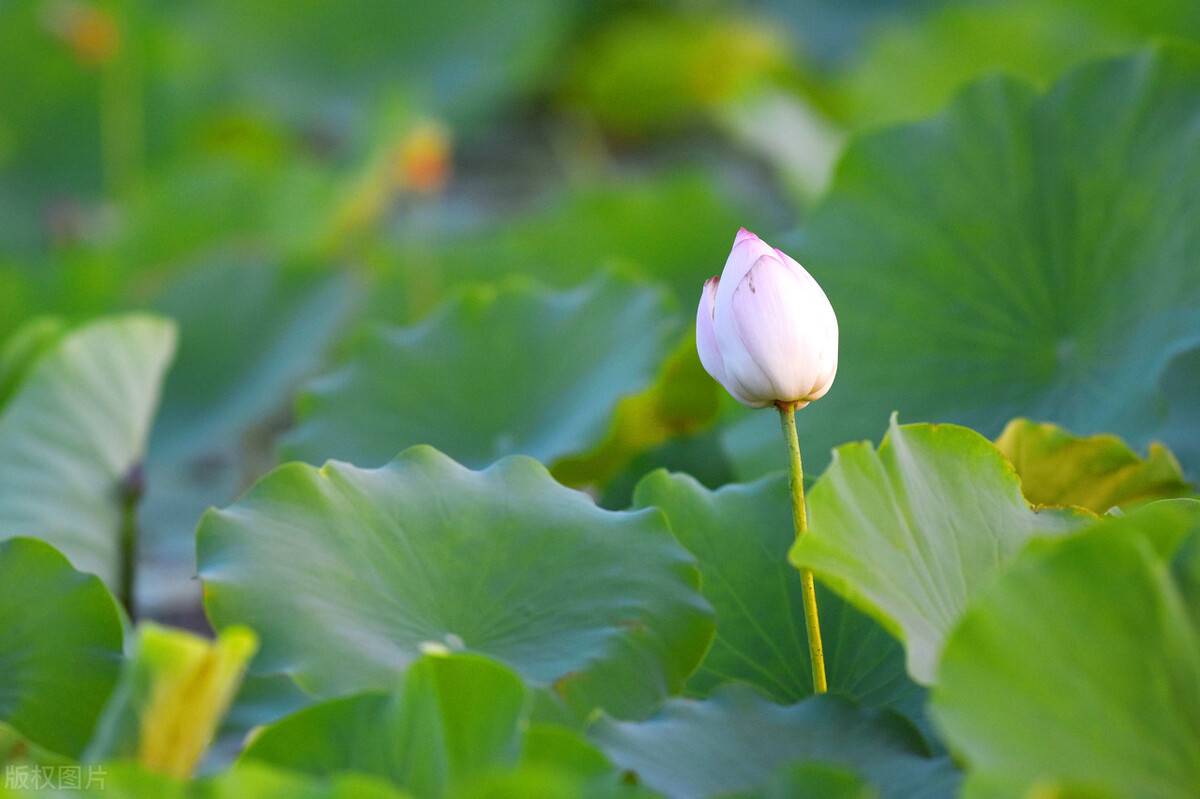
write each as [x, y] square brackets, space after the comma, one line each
[564, 749]
[1097, 473]
[17, 750]
[811, 781]
[348, 573]
[515, 370]
[737, 739]
[1017, 255]
[454, 718]
[249, 333]
[23, 349]
[60, 646]
[1185, 566]
[911, 532]
[741, 536]
[458, 725]
[73, 430]
[1081, 665]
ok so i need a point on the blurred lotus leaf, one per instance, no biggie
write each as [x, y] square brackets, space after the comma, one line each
[75, 428]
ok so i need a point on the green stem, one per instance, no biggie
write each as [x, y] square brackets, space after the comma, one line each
[130, 494]
[787, 415]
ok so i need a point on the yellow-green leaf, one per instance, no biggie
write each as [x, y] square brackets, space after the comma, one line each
[1098, 473]
[171, 696]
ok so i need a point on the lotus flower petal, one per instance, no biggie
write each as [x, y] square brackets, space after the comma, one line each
[765, 329]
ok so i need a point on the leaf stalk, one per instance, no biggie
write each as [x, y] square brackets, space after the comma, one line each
[787, 417]
[130, 493]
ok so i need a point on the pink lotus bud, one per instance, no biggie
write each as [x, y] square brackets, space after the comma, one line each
[765, 330]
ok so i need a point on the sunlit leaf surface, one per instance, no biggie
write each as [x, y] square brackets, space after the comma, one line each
[347, 573]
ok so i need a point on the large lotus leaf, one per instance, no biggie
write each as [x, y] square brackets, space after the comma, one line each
[346, 573]
[741, 536]
[60, 646]
[1082, 664]
[911, 532]
[171, 695]
[454, 718]
[457, 726]
[72, 431]
[249, 332]
[737, 739]
[1097, 473]
[811, 781]
[516, 370]
[1018, 255]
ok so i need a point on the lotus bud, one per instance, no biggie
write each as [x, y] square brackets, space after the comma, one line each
[765, 330]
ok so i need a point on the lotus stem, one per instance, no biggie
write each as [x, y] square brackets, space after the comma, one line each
[787, 415]
[130, 493]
